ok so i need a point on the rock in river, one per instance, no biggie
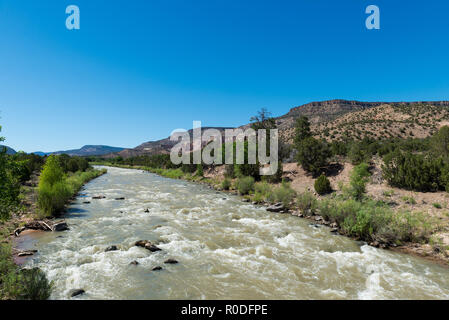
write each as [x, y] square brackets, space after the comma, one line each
[134, 263]
[147, 245]
[76, 292]
[171, 261]
[157, 268]
[278, 207]
[111, 248]
[60, 226]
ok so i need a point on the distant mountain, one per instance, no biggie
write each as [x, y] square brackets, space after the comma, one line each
[89, 150]
[40, 153]
[156, 147]
[8, 149]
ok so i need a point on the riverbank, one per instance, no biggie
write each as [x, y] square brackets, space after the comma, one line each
[423, 228]
[14, 282]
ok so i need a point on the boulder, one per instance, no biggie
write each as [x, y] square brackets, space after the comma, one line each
[86, 202]
[26, 253]
[147, 245]
[142, 243]
[171, 261]
[60, 226]
[152, 247]
[134, 263]
[334, 230]
[120, 198]
[98, 197]
[157, 268]
[111, 248]
[245, 200]
[146, 210]
[278, 207]
[76, 292]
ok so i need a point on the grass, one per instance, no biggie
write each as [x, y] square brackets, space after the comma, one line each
[388, 193]
[409, 199]
[437, 205]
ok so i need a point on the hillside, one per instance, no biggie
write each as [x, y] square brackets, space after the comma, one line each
[387, 120]
[156, 147]
[334, 119]
[8, 149]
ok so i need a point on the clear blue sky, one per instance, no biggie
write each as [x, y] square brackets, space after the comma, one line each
[136, 70]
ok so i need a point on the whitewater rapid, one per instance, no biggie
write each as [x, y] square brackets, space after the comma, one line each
[226, 249]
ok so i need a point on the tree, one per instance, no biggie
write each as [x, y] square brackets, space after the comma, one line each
[440, 143]
[302, 129]
[262, 120]
[52, 172]
[9, 184]
[313, 154]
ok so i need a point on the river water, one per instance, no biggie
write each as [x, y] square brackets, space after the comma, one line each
[226, 249]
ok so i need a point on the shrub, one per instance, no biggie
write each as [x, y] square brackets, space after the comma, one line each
[55, 189]
[307, 203]
[358, 181]
[52, 198]
[415, 171]
[30, 284]
[322, 185]
[226, 184]
[284, 194]
[199, 170]
[263, 188]
[437, 205]
[277, 176]
[245, 185]
[229, 171]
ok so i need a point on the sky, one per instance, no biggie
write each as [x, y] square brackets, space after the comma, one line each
[137, 70]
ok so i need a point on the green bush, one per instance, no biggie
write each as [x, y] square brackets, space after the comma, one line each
[307, 203]
[373, 220]
[226, 184]
[28, 284]
[358, 180]
[199, 170]
[55, 188]
[415, 171]
[322, 185]
[245, 185]
[284, 194]
[52, 198]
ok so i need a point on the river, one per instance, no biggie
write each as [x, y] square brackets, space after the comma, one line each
[226, 249]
